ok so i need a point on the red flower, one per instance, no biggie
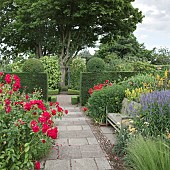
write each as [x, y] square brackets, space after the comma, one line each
[27, 106]
[42, 119]
[43, 140]
[35, 129]
[85, 109]
[57, 104]
[33, 123]
[46, 115]
[37, 165]
[66, 112]
[45, 127]
[26, 97]
[53, 132]
[50, 122]
[53, 112]
[106, 81]
[59, 109]
[8, 78]
[8, 109]
[7, 102]
[90, 91]
[0, 90]
[51, 103]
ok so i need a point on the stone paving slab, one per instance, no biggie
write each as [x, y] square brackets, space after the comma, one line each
[107, 129]
[57, 165]
[84, 134]
[86, 127]
[92, 141]
[78, 142]
[69, 152]
[78, 127]
[84, 164]
[62, 142]
[67, 134]
[102, 163]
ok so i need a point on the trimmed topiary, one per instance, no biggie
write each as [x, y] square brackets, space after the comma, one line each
[95, 64]
[33, 65]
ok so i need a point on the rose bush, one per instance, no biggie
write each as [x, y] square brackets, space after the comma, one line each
[26, 125]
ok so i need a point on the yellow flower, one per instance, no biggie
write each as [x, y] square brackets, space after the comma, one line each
[166, 74]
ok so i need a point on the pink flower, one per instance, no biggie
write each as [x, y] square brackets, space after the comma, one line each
[37, 165]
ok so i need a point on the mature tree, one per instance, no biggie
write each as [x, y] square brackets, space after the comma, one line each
[125, 47]
[64, 27]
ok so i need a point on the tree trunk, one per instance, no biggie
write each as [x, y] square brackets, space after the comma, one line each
[63, 74]
[38, 50]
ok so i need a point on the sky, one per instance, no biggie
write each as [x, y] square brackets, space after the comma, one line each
[154, 31]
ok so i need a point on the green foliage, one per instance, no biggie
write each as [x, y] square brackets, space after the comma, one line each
[53, 92]
[138, 80]
[109, 98]
[16, 67]
[75, 100]
[143, 67]
[95, 65]
[33, 65]
[148, 153]
[73, 92]
[77, 66]
[30, 82]
[88, 80]
[52, 67]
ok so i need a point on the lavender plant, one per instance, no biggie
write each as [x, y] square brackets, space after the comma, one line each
[154, 116]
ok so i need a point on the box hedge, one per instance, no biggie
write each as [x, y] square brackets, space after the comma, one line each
[32, 81]
[89, 79]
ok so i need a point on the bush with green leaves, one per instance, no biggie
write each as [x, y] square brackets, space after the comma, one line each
[109, 98]
[95, 64]
[148, 153]
[16, 67]
[138, 80]
[33, 65]
[52, 67]
[77, 66]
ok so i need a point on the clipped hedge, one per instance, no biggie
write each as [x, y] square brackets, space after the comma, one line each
[110, 97]
[73, 92]
[32, 81]
[89, 79]
[53, 92]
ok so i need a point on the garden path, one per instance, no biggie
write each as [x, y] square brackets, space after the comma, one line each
[76, 147]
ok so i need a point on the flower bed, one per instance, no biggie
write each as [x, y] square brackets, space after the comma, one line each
[26, 125]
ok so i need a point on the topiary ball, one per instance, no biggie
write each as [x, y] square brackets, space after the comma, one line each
[33, 65]
[95, 64]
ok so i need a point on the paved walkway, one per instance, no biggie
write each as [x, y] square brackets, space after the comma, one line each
[76, 147]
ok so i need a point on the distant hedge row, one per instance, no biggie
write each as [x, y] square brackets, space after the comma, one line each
[89, 79]
[32, 81]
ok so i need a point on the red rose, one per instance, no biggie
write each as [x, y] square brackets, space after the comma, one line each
[53, 132]
[1, 74]
[85, 109]
[45, 127]
[59, 109]
[90, 91]
[37, 165]
[51, 103]
[33, 123]
[106, 81]
[8, 78]
[35, 129]
[26, 97]
[8, 109]
[43, 140]
[53, 112]
[66, 112]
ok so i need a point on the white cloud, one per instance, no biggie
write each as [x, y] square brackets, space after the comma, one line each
[156, 22]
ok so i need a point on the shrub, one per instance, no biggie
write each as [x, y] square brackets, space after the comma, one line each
[109, 98]
[53, 92]
[77, 66]
[88, 80]
[26, 123]
[73, 92]
[52, 67]
[138, 81]
[33, 65]
[147, 153]
[74, 100]
[95, 65]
